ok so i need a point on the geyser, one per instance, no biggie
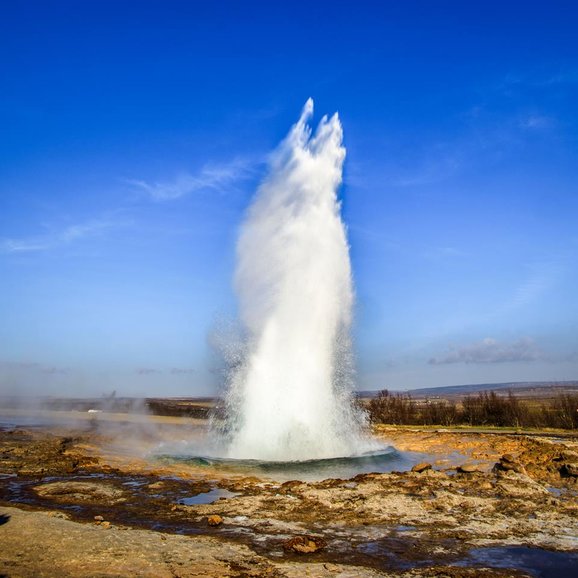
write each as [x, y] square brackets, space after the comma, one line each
[290, 398]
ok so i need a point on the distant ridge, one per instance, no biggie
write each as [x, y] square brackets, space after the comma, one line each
[450, 390]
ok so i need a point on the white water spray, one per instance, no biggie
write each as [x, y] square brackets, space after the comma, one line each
[290, 398]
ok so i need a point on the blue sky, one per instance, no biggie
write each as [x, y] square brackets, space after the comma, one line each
[133, 135]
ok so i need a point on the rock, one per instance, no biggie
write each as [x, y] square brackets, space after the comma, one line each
[508, 463]
[288, 487]
[105, 525]
[421, 467]
[60, 515]
[304, 544]
[98, 519]
[214, 520]
[567, 456]
[467, 469]
[570, 470]
[80, 492]
[331, 567]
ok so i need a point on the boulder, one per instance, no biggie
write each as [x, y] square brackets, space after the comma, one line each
[214, 520]
[508, 463]
[304, 544]
[567, 456]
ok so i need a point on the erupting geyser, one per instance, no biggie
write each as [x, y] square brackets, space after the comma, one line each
[291, 396]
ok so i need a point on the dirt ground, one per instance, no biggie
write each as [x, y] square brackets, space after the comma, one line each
[73, 504]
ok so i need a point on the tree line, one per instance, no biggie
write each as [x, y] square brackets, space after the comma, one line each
[484, 409]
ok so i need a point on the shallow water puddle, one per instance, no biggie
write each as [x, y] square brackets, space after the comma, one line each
[207, 497]
[535, 561]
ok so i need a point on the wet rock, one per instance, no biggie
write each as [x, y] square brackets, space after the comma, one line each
[65, 443]
[156, 486]
[467, 469]
[304, 544]
[214, 520]
[421, 467]
[570, 470]
[79, 492]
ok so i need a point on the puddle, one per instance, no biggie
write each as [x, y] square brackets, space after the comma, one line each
[207, 497]
[135, 483]
[403, 528]
[536, 562]
[402, 552]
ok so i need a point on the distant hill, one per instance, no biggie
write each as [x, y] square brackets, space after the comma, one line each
[526, 388]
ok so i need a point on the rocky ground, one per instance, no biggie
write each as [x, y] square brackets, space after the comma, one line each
[69, 506]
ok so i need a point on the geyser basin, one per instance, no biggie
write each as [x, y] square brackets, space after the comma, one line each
[386, 459]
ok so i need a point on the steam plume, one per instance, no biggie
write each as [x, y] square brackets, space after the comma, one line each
[290, 397]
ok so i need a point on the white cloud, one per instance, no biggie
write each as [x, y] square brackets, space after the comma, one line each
[491, 351]
[65, 236]
[220, 178]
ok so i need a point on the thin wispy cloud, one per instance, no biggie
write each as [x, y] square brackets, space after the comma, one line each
[536, 122]
[437, 168]
[214, 177]
[565, 77]
[182, 371]
[443, 253]
[23, 245]
[147, 371]
[491, 351]
[540, 79]
[66, 236]
[33, 367]
[144, 371]
[543, 277]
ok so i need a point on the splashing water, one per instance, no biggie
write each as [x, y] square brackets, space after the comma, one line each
[291, 396]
